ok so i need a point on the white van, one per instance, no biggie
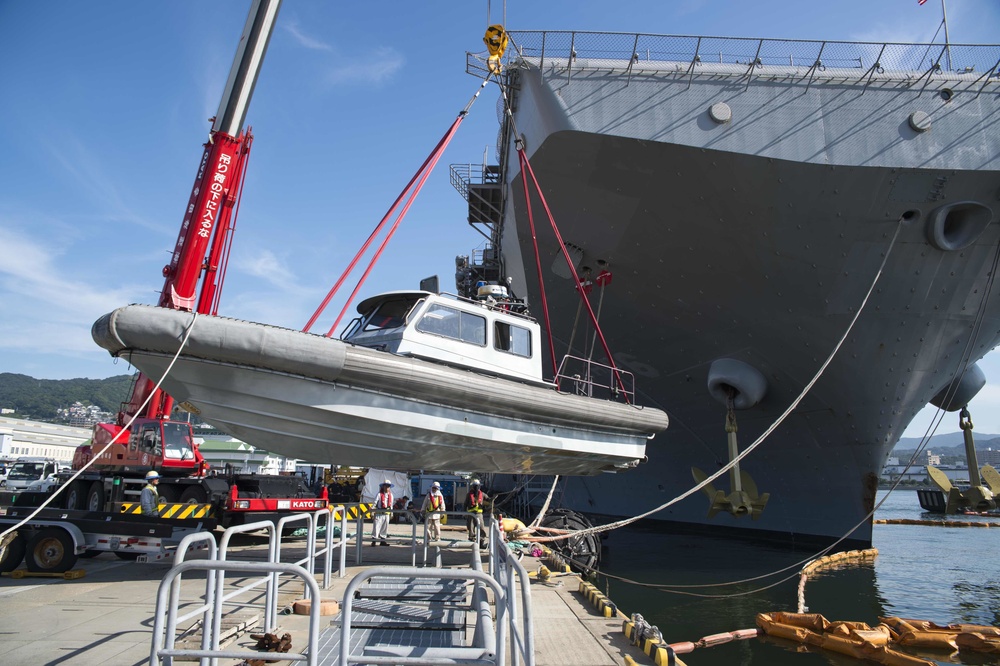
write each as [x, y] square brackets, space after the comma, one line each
[27, 470]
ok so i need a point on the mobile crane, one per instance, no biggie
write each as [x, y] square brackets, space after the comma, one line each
[154, 441]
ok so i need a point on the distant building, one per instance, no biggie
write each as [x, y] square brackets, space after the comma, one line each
[242, 457]
[989, 457]
[19, 437]
[84, 416]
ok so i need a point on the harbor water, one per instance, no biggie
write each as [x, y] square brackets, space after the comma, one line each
[943, 574]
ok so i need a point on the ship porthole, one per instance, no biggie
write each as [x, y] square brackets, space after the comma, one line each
[958, 225]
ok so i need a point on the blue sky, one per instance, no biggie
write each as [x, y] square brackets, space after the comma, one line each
[104, 108]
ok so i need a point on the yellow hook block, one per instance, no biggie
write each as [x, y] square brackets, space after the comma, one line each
[496, 43]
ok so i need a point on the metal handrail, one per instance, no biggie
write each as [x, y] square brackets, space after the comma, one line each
[166, 612]
[347, 658]
[502, 560]
[327, 550]
[572, 51]
[747, 56]
[271, 593]
[205, 610]
[585, 383]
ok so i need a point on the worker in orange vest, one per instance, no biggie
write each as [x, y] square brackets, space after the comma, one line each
[381, 512]
[474, 502]
[433, 509]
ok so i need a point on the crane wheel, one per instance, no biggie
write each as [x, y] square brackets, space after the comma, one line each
[194, 495]
[13, 554]
[73, 498]
[95, 497]
[50, 551]
[168, 494]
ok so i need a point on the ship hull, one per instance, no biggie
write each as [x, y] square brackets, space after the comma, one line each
[757, 239]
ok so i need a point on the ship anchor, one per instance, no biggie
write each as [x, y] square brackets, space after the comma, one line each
[976, 497]
[743, 499]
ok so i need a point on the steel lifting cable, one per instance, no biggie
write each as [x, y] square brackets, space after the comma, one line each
[409, 192]
[94, 456]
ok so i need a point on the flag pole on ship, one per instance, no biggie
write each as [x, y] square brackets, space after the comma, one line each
[944, 24]
[947, 41]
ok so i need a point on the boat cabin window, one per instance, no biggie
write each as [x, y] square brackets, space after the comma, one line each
[454, 324]
[389, 314]
[512, 339]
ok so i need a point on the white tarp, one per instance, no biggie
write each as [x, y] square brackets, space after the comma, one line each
[400, 484]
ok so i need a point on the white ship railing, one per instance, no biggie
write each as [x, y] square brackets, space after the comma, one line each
[635, 53]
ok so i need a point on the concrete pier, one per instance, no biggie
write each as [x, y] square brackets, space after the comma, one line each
[106, 617]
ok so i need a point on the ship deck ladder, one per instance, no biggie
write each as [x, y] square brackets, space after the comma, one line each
[422, 615]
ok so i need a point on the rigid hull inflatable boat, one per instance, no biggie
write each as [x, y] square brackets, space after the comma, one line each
[420, 381]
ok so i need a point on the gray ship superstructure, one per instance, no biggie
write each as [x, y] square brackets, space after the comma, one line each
[743, 195]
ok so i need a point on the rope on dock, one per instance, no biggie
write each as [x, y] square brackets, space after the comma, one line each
[935, 523]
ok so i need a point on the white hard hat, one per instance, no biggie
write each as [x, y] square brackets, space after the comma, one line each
[152, 475]
[435, 485]
[474, 482]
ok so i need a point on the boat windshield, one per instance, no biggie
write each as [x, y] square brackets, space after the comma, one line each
[177, 441]
[391, 313]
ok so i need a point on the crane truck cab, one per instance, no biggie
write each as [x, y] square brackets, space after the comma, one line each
[160, 444]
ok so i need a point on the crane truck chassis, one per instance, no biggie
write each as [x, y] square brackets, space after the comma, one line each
[228, 499]
[52, 541]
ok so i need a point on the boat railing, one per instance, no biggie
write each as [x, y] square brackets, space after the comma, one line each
[637, 53]
[595, 380]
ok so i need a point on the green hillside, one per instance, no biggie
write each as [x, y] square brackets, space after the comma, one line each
[40, 398]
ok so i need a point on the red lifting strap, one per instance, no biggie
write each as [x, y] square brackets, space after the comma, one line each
[411, 193]
[526, 166]
[422, 174]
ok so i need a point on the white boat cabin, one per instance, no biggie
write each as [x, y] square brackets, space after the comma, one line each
[483, 335]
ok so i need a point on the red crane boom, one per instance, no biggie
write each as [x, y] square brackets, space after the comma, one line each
[202, 245]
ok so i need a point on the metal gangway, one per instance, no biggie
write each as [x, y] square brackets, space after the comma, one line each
[389, 614]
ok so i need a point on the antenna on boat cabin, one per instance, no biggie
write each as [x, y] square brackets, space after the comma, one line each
[430, 284]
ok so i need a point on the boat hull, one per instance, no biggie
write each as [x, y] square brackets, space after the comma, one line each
[757, 239]
[324, 401]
